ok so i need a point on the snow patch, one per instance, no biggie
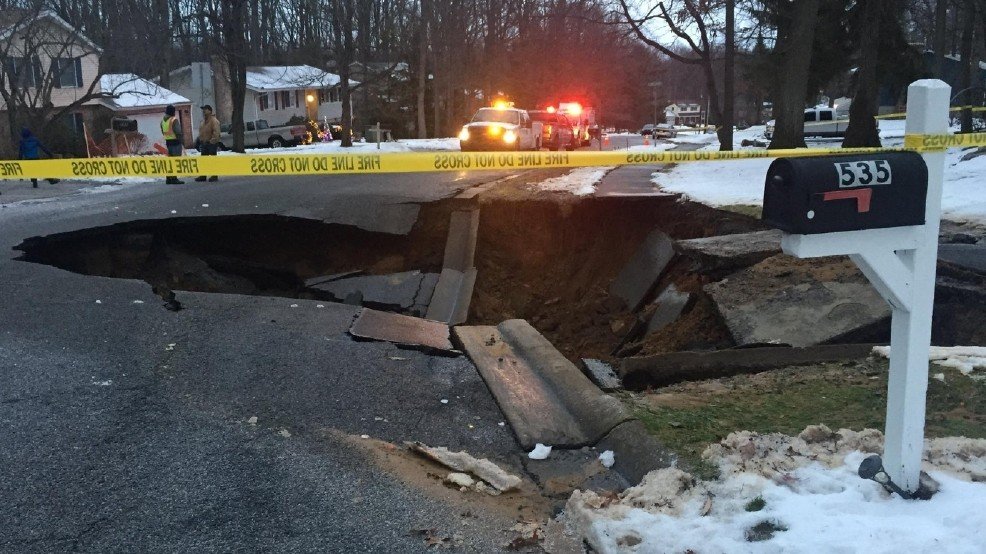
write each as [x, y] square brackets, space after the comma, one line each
[540, 452]
[607, 458]
[966, 359]
[580, 181]
[804, 490]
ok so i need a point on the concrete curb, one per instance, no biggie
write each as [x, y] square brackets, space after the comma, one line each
[548, 400]
[452, 297]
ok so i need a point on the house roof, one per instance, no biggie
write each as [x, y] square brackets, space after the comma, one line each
[13, 19]
[289, 77]
[132, 91]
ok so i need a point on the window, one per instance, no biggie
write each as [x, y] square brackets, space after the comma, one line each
[22, 74]
[250, 126]
[811, 116]
[66, 72]
[263, 101]
[825, 116]
[286, 98]
[74, 122]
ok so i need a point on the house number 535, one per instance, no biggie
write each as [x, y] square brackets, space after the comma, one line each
[864, 173]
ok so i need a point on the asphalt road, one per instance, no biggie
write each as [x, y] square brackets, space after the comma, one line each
[124, 426]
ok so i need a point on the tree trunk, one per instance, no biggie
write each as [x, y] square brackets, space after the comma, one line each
[941, 13]
[794, 46]
[728, 81]
[422, 70]
[965, 80]
[347, 107]
[234, 24]
[862, 129]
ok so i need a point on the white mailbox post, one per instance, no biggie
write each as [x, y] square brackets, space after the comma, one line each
[900, 262]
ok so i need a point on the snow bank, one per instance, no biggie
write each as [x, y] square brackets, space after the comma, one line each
[741, 181]
[580, 181]
[812, 501]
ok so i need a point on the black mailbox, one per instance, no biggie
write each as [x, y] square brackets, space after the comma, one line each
[123, 124]
[826, 194]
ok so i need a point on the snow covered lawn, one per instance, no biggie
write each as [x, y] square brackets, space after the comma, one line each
[741, 181]
[792, 494]
[403, 145]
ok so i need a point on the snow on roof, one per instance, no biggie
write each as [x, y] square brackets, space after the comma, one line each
[135, 92]
[289, 77]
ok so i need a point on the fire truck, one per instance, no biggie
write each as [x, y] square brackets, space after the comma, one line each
[583, 119]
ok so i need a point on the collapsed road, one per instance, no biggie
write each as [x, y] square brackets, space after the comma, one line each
[250, 417]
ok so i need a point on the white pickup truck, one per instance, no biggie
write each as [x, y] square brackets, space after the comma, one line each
[500, 128]
[819, 122]
[259, 133]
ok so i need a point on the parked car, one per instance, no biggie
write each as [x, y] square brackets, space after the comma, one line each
[647, 130]
[819, 122]
[259, 133]
[663, 130]
[556, 131]
[500, 128]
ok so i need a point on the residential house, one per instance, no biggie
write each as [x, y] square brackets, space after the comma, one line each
[689, 113]
[144, 101]
[275, 93]
[50, 66]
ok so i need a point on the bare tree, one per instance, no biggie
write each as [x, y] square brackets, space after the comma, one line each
[691, 23]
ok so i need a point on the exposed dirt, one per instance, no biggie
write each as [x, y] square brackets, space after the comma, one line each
[551, 263]
[545, 257]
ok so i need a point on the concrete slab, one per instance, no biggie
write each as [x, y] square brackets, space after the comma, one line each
[425, 292]
[731, 251]
[602, 374]
[403, 330]
[397, 290]
[971, 257]
[544, 396]
[453, 294]
[334, 277]
[460, 247]
[670, 303]
[797, 303]
[667, 369]
[643, 270]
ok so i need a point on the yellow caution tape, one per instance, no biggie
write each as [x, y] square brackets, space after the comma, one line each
[932, 143]
[397, 162]
[420, 162]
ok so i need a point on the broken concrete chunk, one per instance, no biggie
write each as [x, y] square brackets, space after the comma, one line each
[638, 277]
[670, 304]
[602, 374]
[452, 297]
[460, 247]
[971, 257]
[425, 293]
[400, 329]
[310, 282]
[397, 289]
[463, 462]
[731, 251]
[544, 396]
[797, 302]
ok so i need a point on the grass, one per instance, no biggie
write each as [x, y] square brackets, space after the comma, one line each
[744, 209]
[786, 401]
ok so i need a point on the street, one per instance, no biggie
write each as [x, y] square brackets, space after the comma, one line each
[122, 423]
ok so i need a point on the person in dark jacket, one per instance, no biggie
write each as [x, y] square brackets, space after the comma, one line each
[29, 147]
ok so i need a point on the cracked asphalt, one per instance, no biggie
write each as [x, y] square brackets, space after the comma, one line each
[125, 427]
